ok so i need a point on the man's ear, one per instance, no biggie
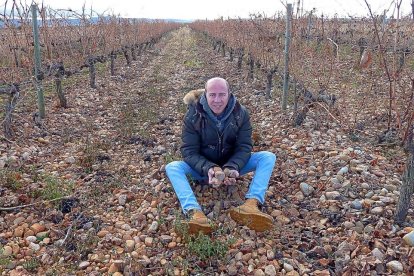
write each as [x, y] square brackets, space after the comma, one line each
[228, 87]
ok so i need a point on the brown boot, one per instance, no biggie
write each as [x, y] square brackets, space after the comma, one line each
[198, 223]
[250, 215]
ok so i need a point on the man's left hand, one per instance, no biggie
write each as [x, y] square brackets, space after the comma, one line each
[231, 175]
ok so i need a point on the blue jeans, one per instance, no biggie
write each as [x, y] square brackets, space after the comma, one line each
[261, 162]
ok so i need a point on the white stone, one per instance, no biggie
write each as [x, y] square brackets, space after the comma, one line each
[409, 238]
[259, 272]
[25, 155]
[70, 160]
[377, 254]
[31, 239]
[34, 246]
[122, 199]
[377, 210]
[287, 267]
[343, 170]
[153, 227]
[395, 266]
[332, 195]
[84, 264]
[270, 270]
[306, 188]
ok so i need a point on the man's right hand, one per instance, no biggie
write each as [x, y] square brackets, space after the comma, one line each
[215, 176]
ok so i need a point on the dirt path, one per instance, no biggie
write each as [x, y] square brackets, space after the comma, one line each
[111, 146]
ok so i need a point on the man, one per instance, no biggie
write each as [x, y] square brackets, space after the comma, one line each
[217, 143]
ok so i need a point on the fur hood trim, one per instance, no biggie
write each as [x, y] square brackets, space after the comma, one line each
[193, 96]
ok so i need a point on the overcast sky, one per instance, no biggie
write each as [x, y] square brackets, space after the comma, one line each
[212, 9]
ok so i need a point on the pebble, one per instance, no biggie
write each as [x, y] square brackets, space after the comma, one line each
[122, 199]
[287, 267]
[356, 204]
[7, 250]
[34, 246]
[332, 195]
[270, 270]
[145, 260]
[113, 268]
[369, 194]
[84, 264]
[129, 245]
[135, 254]
[232, 270]
[377, 254]
[377, 210]
[343, 170]
[42, 235]
[259, 272]
[348, 225]
[395, 266]
[102, 233]
[336, 183]
[283, 219]
[126, 227]
[409, 238]
[36, 228]
[18, 232]
[238, 256]
[18, 220]
[270, 254]
[70, 160]
[299, 196]
[365, 186]
[148, 241]
[46, 258]
[166, 238]
[31, 239]
[153, 227]
[306, 189]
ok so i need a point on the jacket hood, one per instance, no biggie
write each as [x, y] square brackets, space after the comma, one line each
[193, 96]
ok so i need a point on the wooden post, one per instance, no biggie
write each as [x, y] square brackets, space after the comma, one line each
[407, 186]
[287, 44]
[384, 20]
[308, 35]
[38, 69]
[92, 72]
[412, 8]
[58, 81]
[113, 56]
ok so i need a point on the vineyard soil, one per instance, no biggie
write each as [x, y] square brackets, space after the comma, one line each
[100, 202]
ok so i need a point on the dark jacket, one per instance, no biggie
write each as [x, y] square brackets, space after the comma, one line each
[202, 145]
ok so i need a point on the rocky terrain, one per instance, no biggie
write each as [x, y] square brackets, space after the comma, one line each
[84, 192]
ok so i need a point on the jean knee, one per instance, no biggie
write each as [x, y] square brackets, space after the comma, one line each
[174, 165]
[270, 156]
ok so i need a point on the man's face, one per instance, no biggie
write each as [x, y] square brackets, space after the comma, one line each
[217, 96]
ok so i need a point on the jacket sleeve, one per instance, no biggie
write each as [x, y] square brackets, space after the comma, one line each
[244, 144]
[190, 147]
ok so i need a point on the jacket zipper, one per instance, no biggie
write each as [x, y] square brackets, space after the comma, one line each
[221, 140]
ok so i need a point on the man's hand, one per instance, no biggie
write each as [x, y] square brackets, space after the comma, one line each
[231, 175]
[215, 176]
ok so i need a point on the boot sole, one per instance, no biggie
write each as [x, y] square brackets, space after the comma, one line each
[195, 228]
[257, 222]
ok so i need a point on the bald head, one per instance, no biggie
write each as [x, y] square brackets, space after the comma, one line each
[217, 85]
[217, 94]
